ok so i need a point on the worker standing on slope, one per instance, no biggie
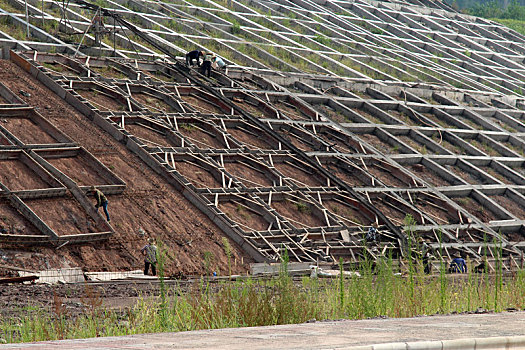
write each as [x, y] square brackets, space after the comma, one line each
[193, 55]
[206, 64]
[101, 199]
[371, 235]
[458, 264]
[150, 257]
[425, 256]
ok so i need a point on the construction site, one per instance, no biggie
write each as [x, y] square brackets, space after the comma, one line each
[330, 117]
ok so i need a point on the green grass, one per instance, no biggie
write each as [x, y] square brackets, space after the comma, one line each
[517, 25]
[144, 43]
[108, 40]
[8, 26]
[53, 9]
[379, 292]
[307, 43]
[251, 51]
[188, 127]
[8, 7]
[219, 49]
[225, 3]
[236, 27]
[198, 3]
[226, 16]
[302, 208]
[55, 67]
[362, 69]
[264, 22]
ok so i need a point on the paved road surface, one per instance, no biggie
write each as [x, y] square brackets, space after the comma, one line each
[325, 335]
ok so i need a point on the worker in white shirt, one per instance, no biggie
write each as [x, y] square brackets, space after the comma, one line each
[219, 62]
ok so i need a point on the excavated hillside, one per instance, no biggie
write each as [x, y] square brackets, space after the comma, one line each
[148, 202]
[330, 118]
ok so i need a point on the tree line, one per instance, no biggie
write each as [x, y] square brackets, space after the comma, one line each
[506, 9]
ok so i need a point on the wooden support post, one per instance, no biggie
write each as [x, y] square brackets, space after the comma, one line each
[178, 93]
[326, 217]
[173, 160]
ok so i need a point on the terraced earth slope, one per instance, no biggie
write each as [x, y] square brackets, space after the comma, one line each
[330, 116]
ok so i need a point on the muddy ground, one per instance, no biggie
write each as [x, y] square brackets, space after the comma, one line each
[17, 299]
[20, 300]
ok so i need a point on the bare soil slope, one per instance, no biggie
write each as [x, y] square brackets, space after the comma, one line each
[148, 202]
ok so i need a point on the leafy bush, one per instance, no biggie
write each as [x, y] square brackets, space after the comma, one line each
[236, 27]
[494, 9]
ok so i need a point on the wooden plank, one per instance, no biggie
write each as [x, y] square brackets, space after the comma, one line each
[345, 235]
[18, 279]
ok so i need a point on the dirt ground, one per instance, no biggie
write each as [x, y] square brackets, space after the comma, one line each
[428, 175]
[200, 138]
[153, 104]
[353, 179]
[253, 110]
[251, 141]
[13, 222]
[415, 145]
[388, 178]
[196, 175]
[351, 216]
[298, 213]
[78, 169]
[290, 111]
[379, 144]
[395, 213]
[248, 176]
[77, 297]
[438, 213]
[511, 206]
[496, 175]
[476, 209]
[300, 177]
[368, 116]
[248, 219]
[27, 131]
[149, 137]
[466, 176]
[148, 202]
[301, 144]
[336, 142]
[201, 106]
[18, 176]
[332, 114]
[101, 101]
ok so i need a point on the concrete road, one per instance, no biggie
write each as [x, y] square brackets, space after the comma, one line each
[475, 331]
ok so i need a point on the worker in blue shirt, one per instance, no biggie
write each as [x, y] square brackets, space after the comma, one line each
[371, 235]
[194, 55]
[458, 264]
